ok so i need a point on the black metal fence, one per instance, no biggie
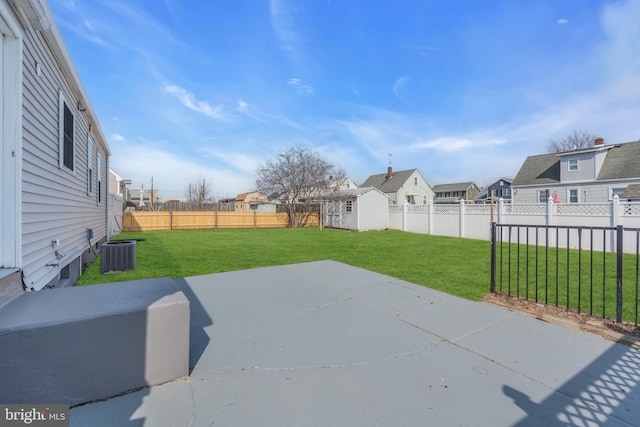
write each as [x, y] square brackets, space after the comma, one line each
[587, 269]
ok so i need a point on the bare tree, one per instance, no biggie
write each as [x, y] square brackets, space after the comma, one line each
[300, 177]
[199, 191]
[576, 140]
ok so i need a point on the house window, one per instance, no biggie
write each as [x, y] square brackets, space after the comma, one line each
[349, 206]
[616, 191]
[66, 135]
[543, 196]
[90, 165]
[415, 180]
[573, 196]
[99, 170]
[573, 165]
[424, 200]
[506, 192]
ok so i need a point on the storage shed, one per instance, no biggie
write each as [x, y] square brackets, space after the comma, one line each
[359, 209]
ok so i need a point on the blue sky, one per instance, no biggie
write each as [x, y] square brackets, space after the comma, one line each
[461, 90]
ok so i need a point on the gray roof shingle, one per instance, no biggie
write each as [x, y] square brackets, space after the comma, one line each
[540, 169]
[459, 186]
[622, 161]
[388, 185]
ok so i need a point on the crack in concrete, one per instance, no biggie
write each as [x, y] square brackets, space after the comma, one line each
[366, 362]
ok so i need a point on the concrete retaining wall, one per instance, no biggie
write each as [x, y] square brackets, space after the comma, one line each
[75, 345]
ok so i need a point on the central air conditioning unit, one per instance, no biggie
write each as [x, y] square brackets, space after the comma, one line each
[118, 255]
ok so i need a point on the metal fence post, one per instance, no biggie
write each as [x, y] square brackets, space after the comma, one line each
[492, 287]
[619, 256]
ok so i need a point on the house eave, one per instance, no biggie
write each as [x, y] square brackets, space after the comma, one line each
[40, 19]
[585, 151]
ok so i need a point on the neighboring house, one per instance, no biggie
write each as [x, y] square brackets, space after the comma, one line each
[118, 185]
[364, 208]
[500, 189]
[249, 202]
[54, 172]
[453, 193]
[143, 198]
[581, 176]
[402, 187]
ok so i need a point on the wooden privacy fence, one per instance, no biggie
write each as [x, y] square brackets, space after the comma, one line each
[199, 220]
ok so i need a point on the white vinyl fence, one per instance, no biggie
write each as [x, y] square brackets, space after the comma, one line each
[116, 206]
[474, 221]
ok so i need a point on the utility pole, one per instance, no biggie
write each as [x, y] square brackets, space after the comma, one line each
[152, 208]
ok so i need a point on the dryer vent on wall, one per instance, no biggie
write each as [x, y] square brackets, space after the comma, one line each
[118, 255]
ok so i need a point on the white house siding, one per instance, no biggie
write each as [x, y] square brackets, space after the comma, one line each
[55, 203]
[599, 192]
[418, 191]
[10, 137]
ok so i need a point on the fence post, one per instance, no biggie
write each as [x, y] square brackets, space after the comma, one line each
[430, 217]
[404, 217]
[615, 211]
[500, 211]
[619, 257]
[461, 219]
[492, 286]
[255, 224]
[550, 217]
[170, 220]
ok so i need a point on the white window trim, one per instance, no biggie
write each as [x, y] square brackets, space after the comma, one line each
[613, 188]
[99, 189]
[546, 198]
[569, 165]
[61, 103]
[569, 195]
[90, 168]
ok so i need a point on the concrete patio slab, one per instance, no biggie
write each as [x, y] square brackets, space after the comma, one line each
[324, 343]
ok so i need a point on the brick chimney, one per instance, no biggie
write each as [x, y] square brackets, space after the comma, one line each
[598, 141]
[389, 172]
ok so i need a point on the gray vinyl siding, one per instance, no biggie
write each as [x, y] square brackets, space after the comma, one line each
[55, 203]
[588, 193]
[586, 168]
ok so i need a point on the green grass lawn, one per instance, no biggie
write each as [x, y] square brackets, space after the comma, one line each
[456, 266]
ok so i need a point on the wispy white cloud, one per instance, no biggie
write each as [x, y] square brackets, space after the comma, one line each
[453, 143]
[283, 21]
[399, 86]
[563, 21]
[189, 100]
[243, 107]
[300, 87]
[117, 137]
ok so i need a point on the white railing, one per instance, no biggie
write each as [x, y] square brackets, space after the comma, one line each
[474, 221]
